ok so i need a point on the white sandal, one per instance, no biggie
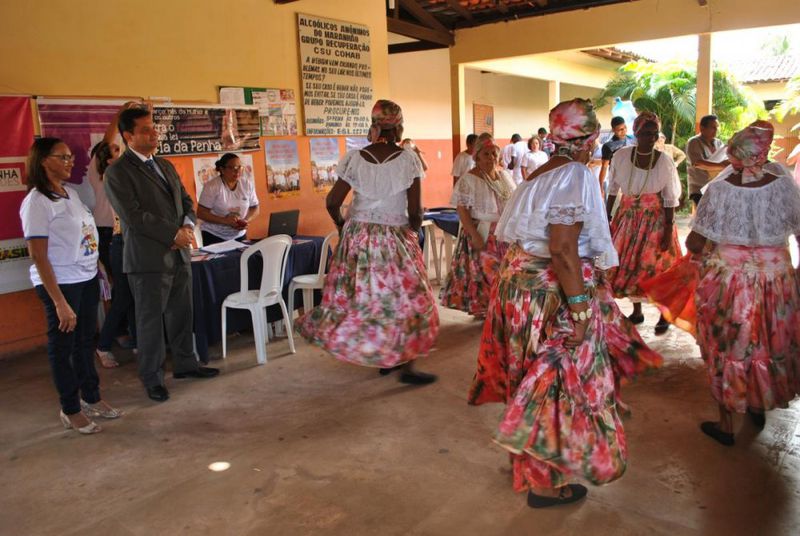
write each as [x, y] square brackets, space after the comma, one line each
[91, 428]
[106, 359]
[92, 410]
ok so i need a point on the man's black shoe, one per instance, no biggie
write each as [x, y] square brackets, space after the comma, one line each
[200, 372]
[158, 393]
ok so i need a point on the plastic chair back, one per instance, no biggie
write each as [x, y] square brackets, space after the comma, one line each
[274, 252]
[323, 256]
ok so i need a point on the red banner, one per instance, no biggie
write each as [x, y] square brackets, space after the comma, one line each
[16, 136]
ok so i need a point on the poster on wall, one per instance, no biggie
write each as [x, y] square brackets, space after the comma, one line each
[80, 123]
[351, 143]
[205, 169]
[336, 70]
[482, 118]
[16, 136]
[186, 130]
[324, 158]
[283, 168]
[277, 109]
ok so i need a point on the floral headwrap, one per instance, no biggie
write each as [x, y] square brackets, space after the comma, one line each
[386, 115]
[748, 150]
[483, 144]
[644, 118]
[574, 126]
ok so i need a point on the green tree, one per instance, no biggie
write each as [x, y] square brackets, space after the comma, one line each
[669, 89]
[791, 104]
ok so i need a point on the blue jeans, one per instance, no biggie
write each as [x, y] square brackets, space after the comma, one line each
[71, 355]
[122, 308]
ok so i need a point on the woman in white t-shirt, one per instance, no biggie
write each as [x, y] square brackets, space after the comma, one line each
[62, 240]
[534, 158]
[228, 204]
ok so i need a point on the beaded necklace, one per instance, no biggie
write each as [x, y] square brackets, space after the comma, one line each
[647, 173]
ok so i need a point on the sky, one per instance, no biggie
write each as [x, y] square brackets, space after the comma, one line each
[727, 46]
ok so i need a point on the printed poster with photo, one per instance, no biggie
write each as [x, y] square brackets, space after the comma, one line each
[277, 110]
[205, 170]
[283, 168]
[324, 158]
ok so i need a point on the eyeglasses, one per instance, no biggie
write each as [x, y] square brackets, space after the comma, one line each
[234, 168]
[66, 158]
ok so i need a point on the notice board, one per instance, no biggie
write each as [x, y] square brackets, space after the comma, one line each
[482, 118]
[336, 66]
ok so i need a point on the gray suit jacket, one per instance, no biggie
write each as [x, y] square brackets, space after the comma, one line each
[149, 215]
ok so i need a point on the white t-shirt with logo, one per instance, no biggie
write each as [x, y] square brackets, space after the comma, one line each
[221, 201]
[71, 235]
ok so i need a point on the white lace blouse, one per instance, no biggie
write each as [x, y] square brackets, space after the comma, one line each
[379, 190]
[762, 216]
[663, 178]
[475, 193]
[564, 195]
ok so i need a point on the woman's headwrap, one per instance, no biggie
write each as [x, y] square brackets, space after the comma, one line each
[482, 138]
[574, 126]
[644, 118]
[386, 115]
[484, 143]
[748, 150]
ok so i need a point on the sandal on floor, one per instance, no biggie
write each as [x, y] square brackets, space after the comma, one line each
[387, 371]
[93, 410]
[417, 378]
[540, 501]
[636, 319]
[712, 430]
[661, 326]
[758, 418]
[106, 359]
[91, 428]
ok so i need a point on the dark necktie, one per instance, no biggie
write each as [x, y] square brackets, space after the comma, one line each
[154, 168]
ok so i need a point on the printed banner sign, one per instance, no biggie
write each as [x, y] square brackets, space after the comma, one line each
[283, 168]
[336, 68]
[324, 158]
[200, 130]
[277, 109]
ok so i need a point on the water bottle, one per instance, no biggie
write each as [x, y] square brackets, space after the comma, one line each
[625, 110]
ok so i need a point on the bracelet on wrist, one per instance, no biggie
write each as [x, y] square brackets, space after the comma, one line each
[580, 298]
[580, 316]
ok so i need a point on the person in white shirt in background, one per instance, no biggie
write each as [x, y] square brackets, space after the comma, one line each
[227, 204]
[507, 156]
[520, 148]
[534, 158]
[464, 161]
[409, 145]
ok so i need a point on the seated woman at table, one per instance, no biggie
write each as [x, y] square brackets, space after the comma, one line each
[228, 205]
[63, 242]
[479, 195]
[377, 306]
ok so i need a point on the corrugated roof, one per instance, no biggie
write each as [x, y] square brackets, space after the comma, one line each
[766, 68]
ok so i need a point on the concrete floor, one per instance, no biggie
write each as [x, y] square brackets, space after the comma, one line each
[319, 447]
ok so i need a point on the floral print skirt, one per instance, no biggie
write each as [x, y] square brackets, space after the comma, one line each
[636, 229]
[560, 419]
[673, 293]
[377, 307]
[472, 273]
[748, 311]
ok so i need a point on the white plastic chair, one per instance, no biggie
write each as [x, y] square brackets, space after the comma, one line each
[274, 252]
[310, 282]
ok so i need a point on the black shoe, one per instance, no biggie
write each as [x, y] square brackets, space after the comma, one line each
[636, 319]
[712, 430]
[539, 501]
[387, 371]
[661, 326]
[158, 393]
[759, 419]
[417, 378]
[200, 372]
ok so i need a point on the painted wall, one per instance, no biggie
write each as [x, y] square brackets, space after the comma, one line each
[182, 49]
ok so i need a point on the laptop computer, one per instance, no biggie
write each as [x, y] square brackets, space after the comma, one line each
[283, 223]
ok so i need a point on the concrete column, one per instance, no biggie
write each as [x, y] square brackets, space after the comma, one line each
[705, 77]
[553, 93]
[458, 114]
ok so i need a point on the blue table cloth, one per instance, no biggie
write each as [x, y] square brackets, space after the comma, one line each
[216, 277]
[446, 221]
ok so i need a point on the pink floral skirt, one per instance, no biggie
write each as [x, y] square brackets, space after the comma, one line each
[469, 282]
[748, 311]
[636, 229]
[377, 307]
[560, 419]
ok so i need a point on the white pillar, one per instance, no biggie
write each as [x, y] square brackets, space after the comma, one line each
[458, 114]
[705, 77]
[553, 93]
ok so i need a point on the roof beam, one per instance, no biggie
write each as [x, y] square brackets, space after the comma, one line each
[422, 15]
[416, 46]
[461, 10]
[423, 33]
[501, 7]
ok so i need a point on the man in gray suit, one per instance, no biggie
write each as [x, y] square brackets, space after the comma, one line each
[157, 218]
